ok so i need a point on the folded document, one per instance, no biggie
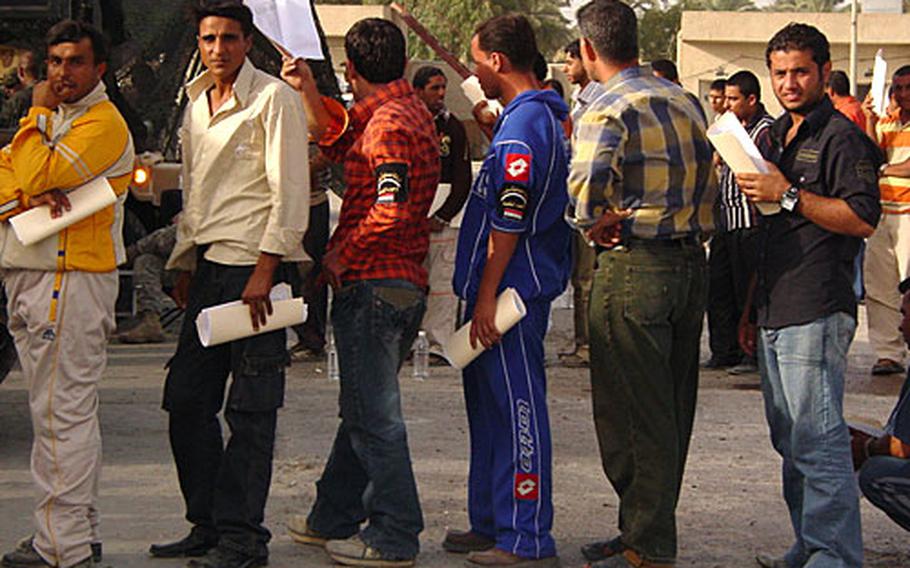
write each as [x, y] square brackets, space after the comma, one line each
[739, 152]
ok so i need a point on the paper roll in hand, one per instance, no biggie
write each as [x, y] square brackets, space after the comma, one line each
[36, 224]
[231, 321]
[509, 311]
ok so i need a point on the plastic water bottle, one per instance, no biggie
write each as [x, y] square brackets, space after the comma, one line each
[331, 353]
[421, 356]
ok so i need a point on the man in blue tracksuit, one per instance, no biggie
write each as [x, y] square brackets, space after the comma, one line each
[513, 236]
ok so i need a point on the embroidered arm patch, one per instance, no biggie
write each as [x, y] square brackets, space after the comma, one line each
[392, 183]
[513, 202]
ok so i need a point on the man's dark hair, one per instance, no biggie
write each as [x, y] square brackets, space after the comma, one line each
[376, 48]
[71, 31]
[555, 85]
[612, 29]
[573, 49]
[666, 68]
[424, 74]
[541, 69]
[747, 83]
[800, 37]
[718, 85]
[901, 71]
[511, 35]
[231, 9]
[839, 83]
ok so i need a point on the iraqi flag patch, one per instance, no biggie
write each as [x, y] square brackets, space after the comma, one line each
[513, 202]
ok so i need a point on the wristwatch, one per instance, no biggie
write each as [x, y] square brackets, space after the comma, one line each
[789, 199]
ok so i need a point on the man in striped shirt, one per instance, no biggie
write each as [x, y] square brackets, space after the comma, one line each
[888, 249]
[641, 188]
[731, 261]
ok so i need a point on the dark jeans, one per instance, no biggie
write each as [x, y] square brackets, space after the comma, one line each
[368, 476]
[885, 482]
[225, 488]
[311, 333]
[647, 306]
[730, 266]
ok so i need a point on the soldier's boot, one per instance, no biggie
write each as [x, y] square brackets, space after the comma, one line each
[148, 330]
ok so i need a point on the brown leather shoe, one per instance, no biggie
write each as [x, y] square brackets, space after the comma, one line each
[628, 559]
[466, 541]
[301, 532]
[499, 557]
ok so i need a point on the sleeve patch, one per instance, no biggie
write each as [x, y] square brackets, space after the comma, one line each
[865, 171]
[518, 167]
[513, 202]
[392, 183]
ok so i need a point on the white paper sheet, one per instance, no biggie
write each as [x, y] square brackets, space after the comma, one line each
[473, 91]
[510, 309]
[739, 152]
[878, 89]
[36, 224]
[289, 23]
[231, 321]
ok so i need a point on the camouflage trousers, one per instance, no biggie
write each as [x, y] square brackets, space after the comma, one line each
[149, 280]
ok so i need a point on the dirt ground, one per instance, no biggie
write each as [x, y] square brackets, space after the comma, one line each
[731, 507]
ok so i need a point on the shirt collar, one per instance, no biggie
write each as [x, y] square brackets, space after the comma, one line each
[363, 109]
[816, 120]
[242, 86]
[95, 96]
[760, 113]
[624, 75]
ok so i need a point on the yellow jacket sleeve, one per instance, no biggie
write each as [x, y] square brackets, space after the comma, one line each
[94, 143]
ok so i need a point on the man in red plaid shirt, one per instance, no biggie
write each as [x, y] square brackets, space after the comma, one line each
[374, 262]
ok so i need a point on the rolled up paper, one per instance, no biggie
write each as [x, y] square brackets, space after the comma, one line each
[231, 321]
[36, 224]
[474, 93]
[510, 309]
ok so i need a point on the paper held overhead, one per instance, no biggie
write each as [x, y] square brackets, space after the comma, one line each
[36, 224]
[878, 88]
[739, 152]
[509, 311]
[290, 25]
[231, 321]
[474, 93]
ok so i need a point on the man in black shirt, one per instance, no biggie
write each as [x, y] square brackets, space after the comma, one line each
[454, 184]
[823, 175]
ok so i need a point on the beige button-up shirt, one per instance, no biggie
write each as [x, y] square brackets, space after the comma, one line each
[246, 182]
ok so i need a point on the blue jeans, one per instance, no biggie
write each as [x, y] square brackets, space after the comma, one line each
[885, 482]
[368, 476]
[802, 370]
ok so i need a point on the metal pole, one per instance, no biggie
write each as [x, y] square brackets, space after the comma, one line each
[853, 33]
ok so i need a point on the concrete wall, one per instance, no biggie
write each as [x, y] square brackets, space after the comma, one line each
[715, 45]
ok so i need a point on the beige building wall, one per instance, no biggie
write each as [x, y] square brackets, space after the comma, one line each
[713, 45]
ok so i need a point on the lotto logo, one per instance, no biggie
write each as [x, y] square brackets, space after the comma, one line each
[526, 486]
[518, 167]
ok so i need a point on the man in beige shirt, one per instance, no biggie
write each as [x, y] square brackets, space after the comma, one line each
[246, 210]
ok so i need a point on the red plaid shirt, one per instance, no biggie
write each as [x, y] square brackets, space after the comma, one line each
[377, 238]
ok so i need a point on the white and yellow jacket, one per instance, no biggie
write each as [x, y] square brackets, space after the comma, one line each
[64, 149]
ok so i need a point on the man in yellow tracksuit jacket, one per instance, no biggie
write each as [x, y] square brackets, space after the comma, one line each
[62, 290]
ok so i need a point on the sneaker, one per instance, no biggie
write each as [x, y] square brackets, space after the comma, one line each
[466, 541]
[769, 562]
[628, 559]
[500, 557]
[748, 366]
[302, 353]
[148, 330]
[25, 556]
[602, 549]
[887, 367]
[220, 557]
[355, 552]
[716, 362]
[300, 532]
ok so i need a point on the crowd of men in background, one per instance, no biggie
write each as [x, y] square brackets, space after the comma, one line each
[624, 210]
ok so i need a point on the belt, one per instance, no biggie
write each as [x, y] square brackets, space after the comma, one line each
[638, 242]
